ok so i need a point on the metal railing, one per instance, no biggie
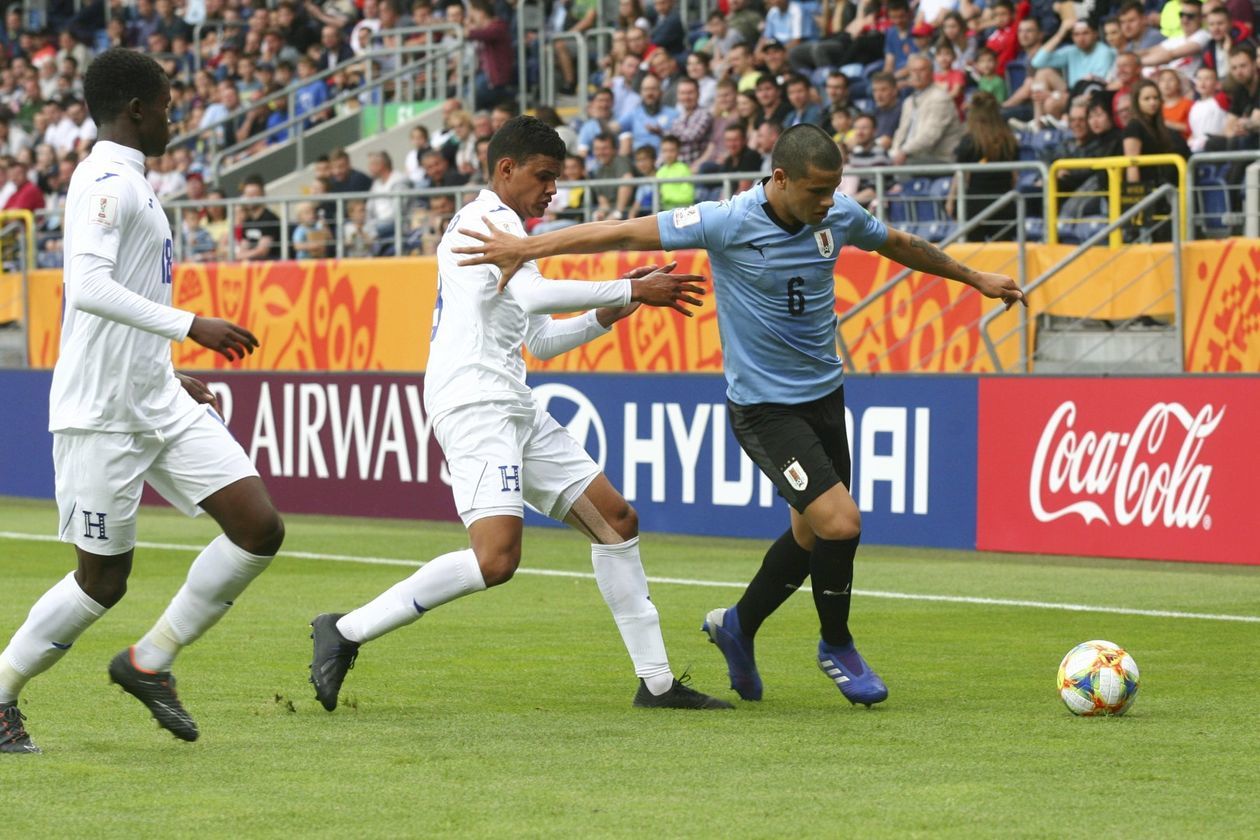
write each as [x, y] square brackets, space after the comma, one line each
[958, 235]
[1115, 167]
[1166, 192]
[547, 67]
[1226, 217]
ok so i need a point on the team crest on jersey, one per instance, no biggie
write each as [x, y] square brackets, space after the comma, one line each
[796, 475]
[826, 245]
[103, 210]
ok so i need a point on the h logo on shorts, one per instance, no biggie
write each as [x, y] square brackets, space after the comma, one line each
[511, 475]
[89, 525]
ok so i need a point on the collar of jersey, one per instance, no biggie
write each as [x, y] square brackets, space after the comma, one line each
[493, 198]
[769, 211]
[123, 154]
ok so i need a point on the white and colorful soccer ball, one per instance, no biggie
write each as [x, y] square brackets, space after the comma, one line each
[1098, 678]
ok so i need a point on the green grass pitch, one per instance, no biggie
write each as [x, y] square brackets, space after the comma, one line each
[508, 714]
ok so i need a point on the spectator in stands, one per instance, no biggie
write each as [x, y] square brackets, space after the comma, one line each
[663, 66]
[745, 20]
[547, 115]
[419, 145]
[718, 41]
[460, 146]
[679, 193]
[737, 156]
[1003, 36]
[1225, 33]
[625, 87]
[698, 69]
[170, 24]
[987, 78]
[438, 172]
[786, 22]
[358, 235]
[928, 131]
[862, 152]
[801, 109]
[644, 193]
[216, 222]
[598, 120]
[740, 66]
[311, 96]
[384, 210]
[1146, 134]
[630, 13]
[1076, 146]
[954, 30]
[764, 138]
[887, 111]
[500, 114]
[62, 134]
[611, 202]
[952, 81]
[1084, 60]
[342, 178]
[669, 33]
[693, 126]
[310, 235]
[333, 47]
[771, 102]
[13, 138]
[723, 115]
[198, 245]
[898, 43]
[1208, 118]
[1138, 34]
[1176, 103]
[747, 109]
[651, 119]
[1184, 52]
[26, 194]
[495, 78]
[215, 123]
[260, 228]
[837, 98]
[987, 139]
[1243, 88]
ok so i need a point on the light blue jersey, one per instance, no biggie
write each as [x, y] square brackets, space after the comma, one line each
[775, 288]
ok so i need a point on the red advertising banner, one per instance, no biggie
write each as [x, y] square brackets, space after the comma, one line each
[1159, 469]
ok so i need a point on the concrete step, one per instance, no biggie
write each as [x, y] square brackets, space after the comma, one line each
[1096, 349]
[12, 346]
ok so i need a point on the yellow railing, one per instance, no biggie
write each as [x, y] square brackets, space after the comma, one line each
[1115, 168]
[28, 218]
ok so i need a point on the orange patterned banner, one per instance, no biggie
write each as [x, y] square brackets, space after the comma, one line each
[376, 314]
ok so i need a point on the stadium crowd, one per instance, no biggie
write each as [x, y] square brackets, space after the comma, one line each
[895, 82]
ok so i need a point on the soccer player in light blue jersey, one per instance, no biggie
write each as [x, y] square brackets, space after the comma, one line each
[773, 250]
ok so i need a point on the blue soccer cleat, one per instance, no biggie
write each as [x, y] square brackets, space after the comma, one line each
[722, 625]
[849, 671]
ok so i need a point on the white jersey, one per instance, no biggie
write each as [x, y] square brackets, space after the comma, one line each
[111, 376]
[475, 342]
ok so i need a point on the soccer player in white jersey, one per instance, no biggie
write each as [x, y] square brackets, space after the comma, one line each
[502, 449]
[121, 417]
[773, 251]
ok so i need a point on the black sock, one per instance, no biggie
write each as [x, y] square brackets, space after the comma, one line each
[831, 577]
[782, 572]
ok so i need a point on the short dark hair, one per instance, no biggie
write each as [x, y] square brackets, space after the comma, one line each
[117, 76]
[671, 139]
[607, 137]
[1243, 48]
[1131, 6]
[523, 137]
[898, 5]
[796, 79]
[256, 179]
[884, 78]
[803, 146]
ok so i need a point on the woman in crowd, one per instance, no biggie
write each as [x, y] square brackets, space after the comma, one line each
[988, 140]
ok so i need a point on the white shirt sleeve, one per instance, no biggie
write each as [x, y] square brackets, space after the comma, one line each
[546, 337]
[539, 296]
[95, 292]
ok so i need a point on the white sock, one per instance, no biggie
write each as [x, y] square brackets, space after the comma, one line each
[619, 573]
[216, 578]
[440, 580]
[58, 618]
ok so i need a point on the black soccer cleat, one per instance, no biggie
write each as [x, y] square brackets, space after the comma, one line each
[156, 690]
[679, 696]
[334, 656]
[13, 736]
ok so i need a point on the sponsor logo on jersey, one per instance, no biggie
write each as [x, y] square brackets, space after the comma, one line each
[796, 476]
[1113, 475]
[103, 210]
[826, 245]
[686, 216]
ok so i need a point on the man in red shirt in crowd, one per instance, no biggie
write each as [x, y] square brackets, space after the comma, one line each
[1002, 39]
[28, 196]
[494, 42]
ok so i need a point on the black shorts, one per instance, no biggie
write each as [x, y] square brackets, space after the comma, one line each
[803, 449]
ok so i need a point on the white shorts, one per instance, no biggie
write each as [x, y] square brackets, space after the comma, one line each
[100, 476]
[502, 457]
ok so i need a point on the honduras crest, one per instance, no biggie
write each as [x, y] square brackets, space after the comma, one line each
[826, 245]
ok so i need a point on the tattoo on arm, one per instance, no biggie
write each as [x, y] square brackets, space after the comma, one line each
[927, 257]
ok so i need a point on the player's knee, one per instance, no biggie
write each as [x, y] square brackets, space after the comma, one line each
[262, 536]
[625, 521]
[105, 589]
[498, 566]
[842, 526]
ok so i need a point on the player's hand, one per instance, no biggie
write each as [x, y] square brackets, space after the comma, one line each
[223, 337]
[199, 392]
[498, 247]
[1000, 286]
[609, 315]
[660, 288]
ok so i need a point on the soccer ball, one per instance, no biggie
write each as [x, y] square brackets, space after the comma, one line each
[1098, 678]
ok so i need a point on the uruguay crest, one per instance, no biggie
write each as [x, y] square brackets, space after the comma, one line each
[826, 245]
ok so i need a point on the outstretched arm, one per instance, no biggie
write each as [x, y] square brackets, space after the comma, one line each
[510, 252]
[918, 254]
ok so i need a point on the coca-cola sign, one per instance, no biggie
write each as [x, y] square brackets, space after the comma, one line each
[1152, 468]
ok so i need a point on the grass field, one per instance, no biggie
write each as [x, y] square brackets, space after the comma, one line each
[508, 713]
